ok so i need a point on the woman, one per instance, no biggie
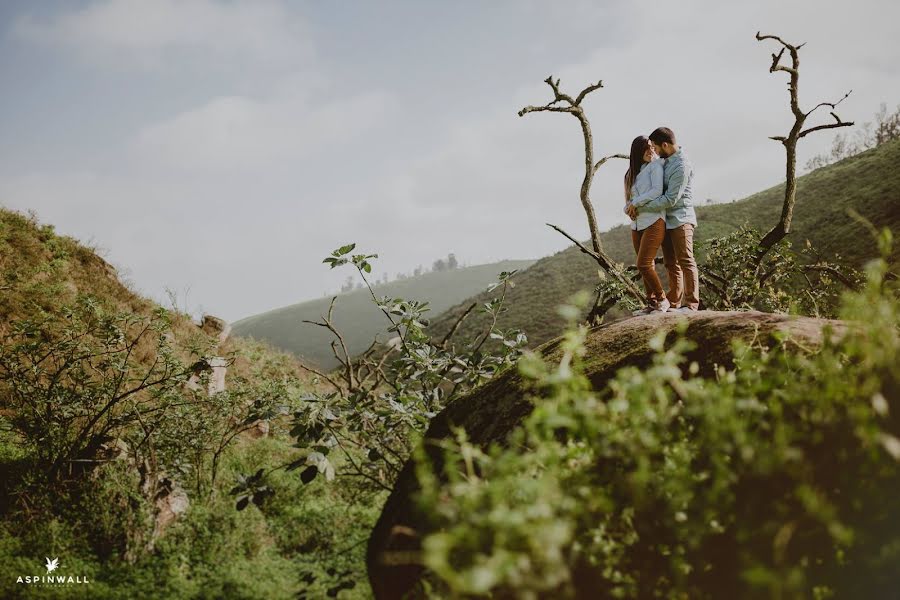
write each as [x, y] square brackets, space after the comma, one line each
[644, 179]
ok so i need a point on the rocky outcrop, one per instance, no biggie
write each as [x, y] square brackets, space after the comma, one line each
[215, 327]
[170, 502]
[491, 412]
[259, 429]
[216, 367]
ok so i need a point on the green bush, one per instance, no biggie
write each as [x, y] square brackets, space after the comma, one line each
[783, 281]
[775, 478]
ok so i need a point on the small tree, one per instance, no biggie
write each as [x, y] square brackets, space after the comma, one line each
[887, 125]
[797, 132]
[374, 405]
[748, 270]
[564, 103]
[78, 380]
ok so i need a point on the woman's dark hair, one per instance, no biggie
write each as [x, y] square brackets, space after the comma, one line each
[635, 162]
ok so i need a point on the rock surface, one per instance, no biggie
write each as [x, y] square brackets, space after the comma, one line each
[217, 368]
[491, 412]
[171, 501]
[216, 327]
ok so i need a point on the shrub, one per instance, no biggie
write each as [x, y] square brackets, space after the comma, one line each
[775, 478]
[75, 379]
[783, 281]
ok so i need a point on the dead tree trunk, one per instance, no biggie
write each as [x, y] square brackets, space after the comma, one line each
[566, 104]
[783, 227]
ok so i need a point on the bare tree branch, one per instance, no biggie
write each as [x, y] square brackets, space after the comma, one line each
[456, 325]
[831, 105]
[838, 123]
[603, 160]
[833, 272]
[606, 263]
[587, 91]
[783, 227]
[590, 169]
[347, 361]
[322, 376]
[529, 109]
[708, 283]
[554, 85]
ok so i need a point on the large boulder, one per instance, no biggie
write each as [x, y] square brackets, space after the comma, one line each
[492, 411]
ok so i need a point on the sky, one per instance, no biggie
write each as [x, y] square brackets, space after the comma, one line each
[217, 151]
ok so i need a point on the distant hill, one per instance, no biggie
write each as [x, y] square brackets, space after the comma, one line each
[357, 316]
[868, 182]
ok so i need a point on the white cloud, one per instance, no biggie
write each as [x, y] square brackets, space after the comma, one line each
[246, 134]
[149, 32]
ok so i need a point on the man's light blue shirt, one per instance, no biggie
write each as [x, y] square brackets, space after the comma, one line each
[677, 199]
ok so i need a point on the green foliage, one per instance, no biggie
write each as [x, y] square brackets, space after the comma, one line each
[359, 318]
[378, 404]
[191, 443]
[64, 320]
[73, 383]
[775, 478]
[784, 281]
[360, 261]
[308, 539]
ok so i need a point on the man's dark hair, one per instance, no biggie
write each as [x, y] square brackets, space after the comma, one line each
[662, 134]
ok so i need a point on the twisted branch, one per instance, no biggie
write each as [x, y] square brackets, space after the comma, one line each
[783, 227]
[562, 102]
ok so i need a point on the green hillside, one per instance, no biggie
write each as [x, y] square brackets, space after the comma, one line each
[98, 521]
[356, 315]
[868, 182]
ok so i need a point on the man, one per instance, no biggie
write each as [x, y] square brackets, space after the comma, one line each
[677, 200]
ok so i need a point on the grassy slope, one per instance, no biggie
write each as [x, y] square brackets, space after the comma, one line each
[40, 271]
[212, 551]
[356, 315]
[868, 183]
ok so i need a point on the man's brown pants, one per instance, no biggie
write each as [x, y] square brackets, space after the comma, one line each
[646, 245]
[678, 256]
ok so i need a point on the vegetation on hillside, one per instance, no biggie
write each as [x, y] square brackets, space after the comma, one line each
[774, 478]
[374, 408]
[871, 134]
[99, 429]
[288, 328]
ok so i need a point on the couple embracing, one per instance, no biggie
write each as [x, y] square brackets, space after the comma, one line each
[658, 198]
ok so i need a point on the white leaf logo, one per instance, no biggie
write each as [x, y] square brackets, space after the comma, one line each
[52, 564]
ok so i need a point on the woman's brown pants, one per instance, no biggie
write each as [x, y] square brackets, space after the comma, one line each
[646, 244]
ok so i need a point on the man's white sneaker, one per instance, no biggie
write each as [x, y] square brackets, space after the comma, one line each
[663, 306]
[685, 309]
